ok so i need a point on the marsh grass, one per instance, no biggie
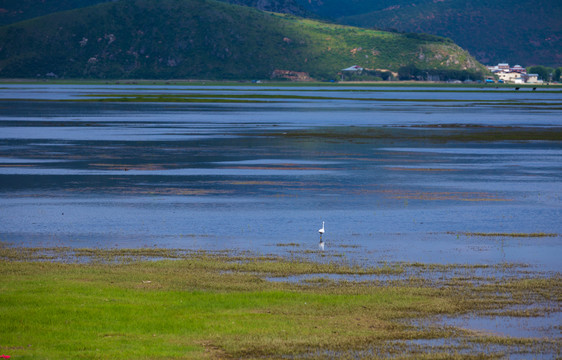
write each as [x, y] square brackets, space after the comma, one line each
[448, 133]
[288, 244]
[116, 304]
[514, 235]
[263, 96]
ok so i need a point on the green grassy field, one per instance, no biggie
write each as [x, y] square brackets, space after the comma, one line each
[172, 304]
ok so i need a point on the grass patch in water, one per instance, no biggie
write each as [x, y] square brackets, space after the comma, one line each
[288, 244]
[448, 133]
[234, 98]
[95, 303]
[518, 235]
[517, 134]
[264, 97]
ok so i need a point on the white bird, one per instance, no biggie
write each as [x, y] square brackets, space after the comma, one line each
[321, 231]
[321, 243]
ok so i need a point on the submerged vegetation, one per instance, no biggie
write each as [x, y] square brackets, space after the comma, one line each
[449, 133]
[264, 97]
[528, 235]
[367, 95]
[170, 303]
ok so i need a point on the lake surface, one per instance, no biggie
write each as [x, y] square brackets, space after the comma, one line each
[397, 173]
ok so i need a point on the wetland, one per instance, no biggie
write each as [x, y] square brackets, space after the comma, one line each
[442, 210]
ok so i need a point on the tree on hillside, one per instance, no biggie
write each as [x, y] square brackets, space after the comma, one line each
[556, 75]
[409, 72]
[543, 72]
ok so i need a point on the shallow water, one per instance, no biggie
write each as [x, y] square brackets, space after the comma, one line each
[255, 176]
[387, 169]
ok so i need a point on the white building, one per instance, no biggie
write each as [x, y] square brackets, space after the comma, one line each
[513, 75]
[503, 66]
[532, 79]
[518, 69]
[354, 68]
[510, 77]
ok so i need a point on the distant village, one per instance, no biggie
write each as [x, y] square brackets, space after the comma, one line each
[501, 73]
[512, 75]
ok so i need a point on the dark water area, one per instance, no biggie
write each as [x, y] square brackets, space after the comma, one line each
[397, 174]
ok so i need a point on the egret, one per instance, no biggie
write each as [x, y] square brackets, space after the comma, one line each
[321, 243]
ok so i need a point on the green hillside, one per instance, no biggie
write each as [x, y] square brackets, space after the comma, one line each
[12, 11]
[205, 39]
[524, 31]
[278, 6]
[334, 9]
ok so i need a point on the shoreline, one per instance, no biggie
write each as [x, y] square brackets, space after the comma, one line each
[232, 305]
[266, 83]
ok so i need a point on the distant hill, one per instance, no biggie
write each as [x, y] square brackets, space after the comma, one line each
[278, 6]
[523, 31]
[205, 39]
[12, 11]
[336, 9]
